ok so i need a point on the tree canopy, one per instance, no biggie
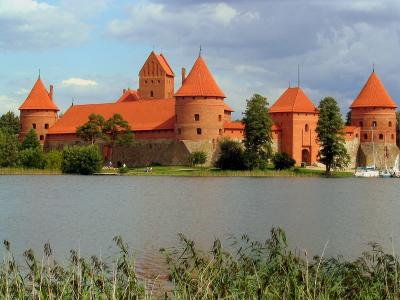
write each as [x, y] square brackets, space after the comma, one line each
[92, 130]
[30, 141]
[257, 139]
[8, 149]
[330, 126]
[9, 123]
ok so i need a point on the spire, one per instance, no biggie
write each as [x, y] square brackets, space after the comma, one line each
[200, 51]
[39, 74]
[293, 100]
[373, 94]
[39, 98]
[200, 82]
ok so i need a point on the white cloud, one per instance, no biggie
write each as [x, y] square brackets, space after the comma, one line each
[8, 103]
[78, 82]
[225, 13]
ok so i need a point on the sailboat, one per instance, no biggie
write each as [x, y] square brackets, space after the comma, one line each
[369, 171]
[396, 167]
[386, 173]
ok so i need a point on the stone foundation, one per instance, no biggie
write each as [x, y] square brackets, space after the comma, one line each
[365, 155]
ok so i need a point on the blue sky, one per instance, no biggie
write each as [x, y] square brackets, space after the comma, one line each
[91, 50]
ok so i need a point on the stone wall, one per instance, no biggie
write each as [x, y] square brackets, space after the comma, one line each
[365, 155]
[352, 147]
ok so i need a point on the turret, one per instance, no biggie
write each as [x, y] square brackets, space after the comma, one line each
[38, 111]
[199, 105]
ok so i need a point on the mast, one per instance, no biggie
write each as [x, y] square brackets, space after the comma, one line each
[373, 145]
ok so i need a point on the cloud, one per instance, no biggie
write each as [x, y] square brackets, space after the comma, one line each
[8, 103]
[30, 25]
[78, 82]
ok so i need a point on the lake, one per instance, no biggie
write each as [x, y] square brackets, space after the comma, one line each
[87, 212]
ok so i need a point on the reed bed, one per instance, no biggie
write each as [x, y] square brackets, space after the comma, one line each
[24, 171]
[246, 269]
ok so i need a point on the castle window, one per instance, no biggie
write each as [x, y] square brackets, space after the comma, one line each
[365, 136]
[145, 81]
[361, 124]
[198, 131]
[381, 136]
[390, 123]
[46, 126]
[151, 94]
[374, 124]
[220, 131]
[179, 131]
[34, 125]
[392, 136]
[306, 128]
[219, 118]
[42, 137]
[152, 81]
[197, 117]
[159, 81]
[356, 135]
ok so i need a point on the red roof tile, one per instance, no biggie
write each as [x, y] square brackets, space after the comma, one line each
[165, 65]
[227, 108]
[129, 95]
[200, 82]
[233, 125]
[373, 94]
[140, 114]
[39, 98]
[293, 100]
[350, 128]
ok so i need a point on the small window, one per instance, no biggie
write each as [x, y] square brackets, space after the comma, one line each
[219, 118]
[151, 94]
[46, 126]
[159, 81]
[356, 135]
[152, 81]
[145, 81]
[390, 123]
[197, 117]
[392, 136]
[220, 132]
[374, 124]
[381, 136]
[361, 124]
[365, 136]
[42, 137]
[179, 131]
[198, 131]
[306, 128]
[34, 125]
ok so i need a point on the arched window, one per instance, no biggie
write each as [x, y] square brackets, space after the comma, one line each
[392, 136]
[34, 125]
[42, 137]
[361, 124]
[381, 136]
[46, 126]
[151, 94]
[390, 123]
[365, 136]
[306, 128]
[374, 124]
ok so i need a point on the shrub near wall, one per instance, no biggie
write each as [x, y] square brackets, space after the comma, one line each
[31, 158]
[81, 160]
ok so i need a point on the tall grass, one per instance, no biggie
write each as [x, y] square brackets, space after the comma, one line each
[25, 171]
[248, 270]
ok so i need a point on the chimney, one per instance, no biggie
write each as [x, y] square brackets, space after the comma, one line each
[183, 74]
[51, 92]
[123, 91]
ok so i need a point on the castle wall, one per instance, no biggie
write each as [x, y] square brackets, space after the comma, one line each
[40, 120]
[365, 155]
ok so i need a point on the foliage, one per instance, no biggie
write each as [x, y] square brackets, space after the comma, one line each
[118, 131]
[53, 160]
[9, 146]
[84, 160]
[258, 138]
[9, 123]
[123, 170]
[332, 153]
[31, 158]
[30, 141]
[198, 158]
[282, 161]
[92, 130]
[231, 155]
[348, 118]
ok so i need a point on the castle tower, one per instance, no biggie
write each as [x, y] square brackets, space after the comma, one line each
[297, 117]
[199, 105]
[38, 111]
[156, 78]
[374, 111]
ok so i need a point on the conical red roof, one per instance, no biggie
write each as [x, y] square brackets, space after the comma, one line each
[39, 98]
[293, 100]
[373, 94]
[200, 82]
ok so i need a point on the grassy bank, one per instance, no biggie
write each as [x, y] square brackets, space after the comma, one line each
[249, 270]
[24, 171]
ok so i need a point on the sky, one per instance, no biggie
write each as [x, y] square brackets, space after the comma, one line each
[92, 49]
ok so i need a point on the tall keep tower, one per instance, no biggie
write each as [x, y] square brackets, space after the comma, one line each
[38, 111]
[374, 111]
[156, 78]
[297, 117]
[199, 105]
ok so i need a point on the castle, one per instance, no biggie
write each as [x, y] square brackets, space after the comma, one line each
[169, 125]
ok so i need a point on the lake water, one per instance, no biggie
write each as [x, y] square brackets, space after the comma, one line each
[87, 212]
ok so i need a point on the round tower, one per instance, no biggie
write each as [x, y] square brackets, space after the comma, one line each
[199, 105]
[38, 111]
[374, 111]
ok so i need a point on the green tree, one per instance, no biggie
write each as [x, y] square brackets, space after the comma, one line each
[231, 155]
[258, 138]
[348, 118]
[31, 158]
[84, 160]
[9, 146]
[53, 160]
[198, 158]
[30, 141]
[9, 123]
[282, 161]
[92, 130]
[117, 131]
[332, 153]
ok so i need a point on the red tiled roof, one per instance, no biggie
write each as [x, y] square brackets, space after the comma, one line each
[227, 108]
[39, 98]
[165, 65]
[233, 125]
[293, 100]
[129, 95]
[141, 115]
[200, 82]
[350, 129]
[373, 94]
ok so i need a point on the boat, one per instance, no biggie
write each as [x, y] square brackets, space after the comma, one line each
[396, 167]
[367, 172]
[385, 173]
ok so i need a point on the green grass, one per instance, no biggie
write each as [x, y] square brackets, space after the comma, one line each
[23, 171]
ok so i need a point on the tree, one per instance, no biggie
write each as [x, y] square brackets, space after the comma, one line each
[348, 118]
[31, 158]
[30, 141]
[117, 131]
[198, 158]
[231, 155]
[9, 146]
[257, 139]
[330, 136]
[9, 123]
[53, 160]
[84, 160]
[92, 130]
[282, 161]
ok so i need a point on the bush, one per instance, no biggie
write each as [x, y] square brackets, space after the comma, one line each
[123, 170]
[198, 158]
[31, 158]
[81, 160]
[53, 160]
[30, 141]
[231, 156]
[9, 146]
[282, 161]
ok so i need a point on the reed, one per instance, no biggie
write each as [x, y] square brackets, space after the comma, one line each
[24, 171]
